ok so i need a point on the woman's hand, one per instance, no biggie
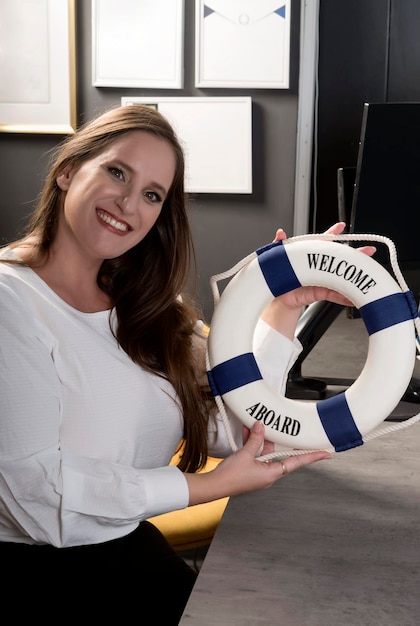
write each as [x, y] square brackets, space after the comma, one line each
[241, 472]
[283, 312]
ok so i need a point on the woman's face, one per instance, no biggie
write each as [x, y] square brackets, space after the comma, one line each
[112, 200]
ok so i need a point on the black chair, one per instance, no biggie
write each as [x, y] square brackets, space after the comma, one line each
[319, 316]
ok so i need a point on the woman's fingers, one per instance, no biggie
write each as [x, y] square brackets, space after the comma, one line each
[369, 250]
[336, 229]
[293, 463]
[290, 464]
[280, 235]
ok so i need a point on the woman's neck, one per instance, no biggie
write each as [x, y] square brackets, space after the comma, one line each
[73, 280]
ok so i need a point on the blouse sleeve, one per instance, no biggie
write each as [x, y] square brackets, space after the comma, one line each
[275, 355]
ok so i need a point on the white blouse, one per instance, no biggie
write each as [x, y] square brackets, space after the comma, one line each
[86, 435]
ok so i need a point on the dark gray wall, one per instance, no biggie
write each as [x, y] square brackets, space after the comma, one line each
[226, 227]
[369, 51]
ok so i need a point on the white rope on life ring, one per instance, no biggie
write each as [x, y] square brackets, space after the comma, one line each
[389, 312]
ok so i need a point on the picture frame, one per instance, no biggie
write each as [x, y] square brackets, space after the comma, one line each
[216, 135]
[147, 43]
[242, 44]
[38, 67]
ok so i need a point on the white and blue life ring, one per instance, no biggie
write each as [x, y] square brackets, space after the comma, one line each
[340, 421]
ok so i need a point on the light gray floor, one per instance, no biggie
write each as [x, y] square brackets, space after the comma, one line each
[342, 352]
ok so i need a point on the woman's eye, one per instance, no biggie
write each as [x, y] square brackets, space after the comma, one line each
[115, 171]
[152, 196]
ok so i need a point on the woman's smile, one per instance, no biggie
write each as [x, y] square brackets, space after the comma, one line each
[113, 222]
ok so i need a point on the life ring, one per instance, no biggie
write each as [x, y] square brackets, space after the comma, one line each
[342, 420]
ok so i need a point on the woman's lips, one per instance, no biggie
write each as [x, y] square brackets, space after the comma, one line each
[107, 218]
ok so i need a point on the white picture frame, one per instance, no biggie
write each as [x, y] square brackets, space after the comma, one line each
[137, 43]
[216, 135]
[38, 66]
[242, 44]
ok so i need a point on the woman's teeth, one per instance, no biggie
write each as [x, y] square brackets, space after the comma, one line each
[112, 222]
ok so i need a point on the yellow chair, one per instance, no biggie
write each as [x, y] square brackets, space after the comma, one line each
[193, 527]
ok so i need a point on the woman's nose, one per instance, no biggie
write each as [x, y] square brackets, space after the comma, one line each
[125, 202]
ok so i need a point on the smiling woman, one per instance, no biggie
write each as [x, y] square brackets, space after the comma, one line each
[103, 373]
[120, 192]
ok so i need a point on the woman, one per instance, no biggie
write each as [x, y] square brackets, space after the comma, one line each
[102, 374]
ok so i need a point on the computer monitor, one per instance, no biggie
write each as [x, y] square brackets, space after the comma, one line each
[346, 177]
[386, 194]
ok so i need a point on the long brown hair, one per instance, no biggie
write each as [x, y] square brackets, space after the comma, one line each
[154, 325]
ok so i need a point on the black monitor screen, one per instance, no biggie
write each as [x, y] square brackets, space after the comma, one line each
[386, 197]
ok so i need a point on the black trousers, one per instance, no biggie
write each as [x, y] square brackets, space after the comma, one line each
[138, 578]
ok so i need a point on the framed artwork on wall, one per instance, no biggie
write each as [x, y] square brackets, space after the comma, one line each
[242, 43]
[216, 135]
[37, 66]
[137, 43]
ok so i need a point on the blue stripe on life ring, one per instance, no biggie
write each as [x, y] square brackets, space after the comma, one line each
[277, 269]
[338, 423]
[234, 373]
[385, 312]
